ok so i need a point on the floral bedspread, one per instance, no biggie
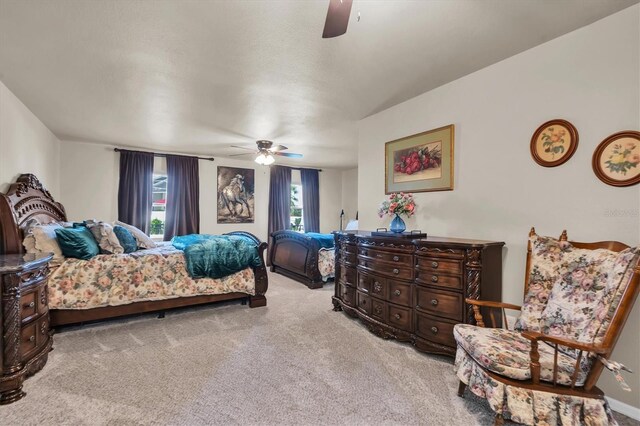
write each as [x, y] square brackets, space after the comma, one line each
[326, 263]
[119, 279]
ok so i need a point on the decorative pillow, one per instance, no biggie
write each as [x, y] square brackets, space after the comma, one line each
[126, 239]
[105, 237]
[143, 239]
[46, 241]
[581, 297]
[77, 242]
[548, 257]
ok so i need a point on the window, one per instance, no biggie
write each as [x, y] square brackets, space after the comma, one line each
[159, 206]
[297, 223]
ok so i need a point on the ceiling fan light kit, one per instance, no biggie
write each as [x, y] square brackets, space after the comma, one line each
[265, 159]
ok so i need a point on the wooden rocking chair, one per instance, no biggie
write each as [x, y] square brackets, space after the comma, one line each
[545, 370]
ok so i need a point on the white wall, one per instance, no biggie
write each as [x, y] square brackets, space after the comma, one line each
[350, 194]
[26, 145]
[89, 189]
[591, 77]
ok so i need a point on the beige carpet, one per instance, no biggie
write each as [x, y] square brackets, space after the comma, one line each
[294, 362]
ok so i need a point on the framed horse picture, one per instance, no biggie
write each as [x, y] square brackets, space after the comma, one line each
[235, 195]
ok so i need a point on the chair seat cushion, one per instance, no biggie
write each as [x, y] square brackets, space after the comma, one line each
[506, 352]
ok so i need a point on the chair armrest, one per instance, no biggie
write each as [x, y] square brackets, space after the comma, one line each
[587, 347]
[476, 304]
[534, 355]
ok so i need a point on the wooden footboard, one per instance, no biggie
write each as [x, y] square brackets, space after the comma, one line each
[296, 256]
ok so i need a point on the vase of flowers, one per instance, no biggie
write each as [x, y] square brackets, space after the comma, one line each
[398, 204]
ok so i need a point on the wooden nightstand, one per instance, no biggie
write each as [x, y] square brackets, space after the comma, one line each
[24, 321]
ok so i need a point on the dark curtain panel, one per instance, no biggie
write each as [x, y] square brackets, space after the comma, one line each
[279, 201]
[183, 196]
[310, 199]
[135, 191]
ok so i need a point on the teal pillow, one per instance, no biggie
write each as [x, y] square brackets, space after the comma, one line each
[126, 239]
[77, 242]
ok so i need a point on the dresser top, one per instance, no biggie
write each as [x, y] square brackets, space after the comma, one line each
[451, 241]
[12, 263]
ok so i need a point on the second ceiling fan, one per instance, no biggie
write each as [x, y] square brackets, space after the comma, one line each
[266, 151]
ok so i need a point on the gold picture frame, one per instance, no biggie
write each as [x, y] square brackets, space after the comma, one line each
[423, 162]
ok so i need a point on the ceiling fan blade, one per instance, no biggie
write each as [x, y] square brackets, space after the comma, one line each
[287, 154]
[243, 147]
[237, 155]
[278, 148]
[337, 18]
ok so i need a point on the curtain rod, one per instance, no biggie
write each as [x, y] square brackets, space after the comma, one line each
[160, 154]
[303, 168]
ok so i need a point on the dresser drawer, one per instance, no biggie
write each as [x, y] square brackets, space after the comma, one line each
[440, 265]
[435, 329]
[385, 256]
[400, 317]
[28, 305]
[436, 279]
[374, 285]
[439, 302]
[379, 309]
[363, 302]
[399, 293]
[347, 276]
[393, 271]
[348, 248]
[350, 258]
[347, 294]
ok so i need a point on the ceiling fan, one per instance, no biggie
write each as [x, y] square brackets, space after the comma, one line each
[266, 150]
[337, 18]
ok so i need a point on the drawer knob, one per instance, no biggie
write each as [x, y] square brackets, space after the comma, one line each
[434, 302]
[32, 338]
[30, 305]
[396, 258]
[434, 264]
[396, 271]
[397, 292]
[434, 278]
[397, 316]
[434, 330]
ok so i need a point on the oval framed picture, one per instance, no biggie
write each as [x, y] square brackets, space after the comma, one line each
[554, 143]
[616, 161]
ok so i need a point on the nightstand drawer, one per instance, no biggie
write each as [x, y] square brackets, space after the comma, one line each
[28, 305]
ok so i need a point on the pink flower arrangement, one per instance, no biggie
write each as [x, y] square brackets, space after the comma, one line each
[398, 203]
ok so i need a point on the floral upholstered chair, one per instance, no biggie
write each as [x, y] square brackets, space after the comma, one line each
[544, 371]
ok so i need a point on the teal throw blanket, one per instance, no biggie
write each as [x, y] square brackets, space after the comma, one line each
[325, 240]
[216, 256]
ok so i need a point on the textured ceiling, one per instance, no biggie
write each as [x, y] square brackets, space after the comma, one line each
[198, 76]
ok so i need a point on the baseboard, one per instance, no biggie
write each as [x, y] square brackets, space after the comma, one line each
[623, 408]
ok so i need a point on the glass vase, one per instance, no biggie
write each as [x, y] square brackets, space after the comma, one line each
[397, 225]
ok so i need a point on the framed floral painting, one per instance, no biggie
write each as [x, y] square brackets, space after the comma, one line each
[616, 160]
[554, 142]
[420, 163]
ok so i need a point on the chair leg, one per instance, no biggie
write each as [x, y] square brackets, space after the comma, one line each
[461, 387]
[499, 421]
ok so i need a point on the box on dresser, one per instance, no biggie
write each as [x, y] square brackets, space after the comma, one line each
[414, 290]
[24, 321]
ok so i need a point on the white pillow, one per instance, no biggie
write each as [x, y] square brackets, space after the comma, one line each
[106, 238]
[45, 241]
[143, 239]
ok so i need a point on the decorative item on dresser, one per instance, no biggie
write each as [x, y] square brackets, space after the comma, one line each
[24, 314]
[414, 290]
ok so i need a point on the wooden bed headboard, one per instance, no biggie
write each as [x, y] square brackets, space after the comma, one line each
[26, 199]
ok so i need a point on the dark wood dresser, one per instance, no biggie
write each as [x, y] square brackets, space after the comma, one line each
[24, 320]
[415, 290]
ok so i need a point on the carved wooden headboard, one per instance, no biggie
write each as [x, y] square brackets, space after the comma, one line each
[26, 199]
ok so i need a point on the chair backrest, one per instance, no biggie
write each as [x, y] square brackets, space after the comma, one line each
[585, 292]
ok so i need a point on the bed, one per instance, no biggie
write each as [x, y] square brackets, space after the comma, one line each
[302, 257]
[143, 281]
